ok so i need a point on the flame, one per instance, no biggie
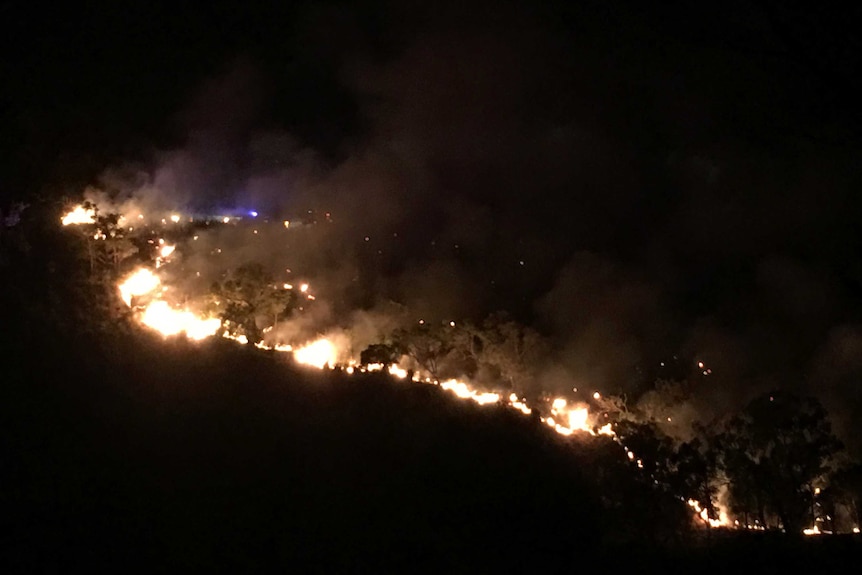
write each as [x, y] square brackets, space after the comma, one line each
[703, 515]
[464, 391]
[577, 417]
[169, 321]
[519, 405]
[79, 215]
[398, 372]
[317, 354]
[139, 283]
[159, 315]
[166, 250]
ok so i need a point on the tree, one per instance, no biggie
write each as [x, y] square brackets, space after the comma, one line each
[773, 452]
[382, 353]
[510, 348]
[426, 344]
[696, 473]
[845, 491]
[247, 297]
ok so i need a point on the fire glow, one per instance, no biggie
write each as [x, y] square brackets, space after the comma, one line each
[79, 215]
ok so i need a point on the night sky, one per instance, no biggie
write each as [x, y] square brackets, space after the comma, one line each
[636, 183]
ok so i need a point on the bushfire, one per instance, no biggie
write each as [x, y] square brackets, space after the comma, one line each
[144, 292]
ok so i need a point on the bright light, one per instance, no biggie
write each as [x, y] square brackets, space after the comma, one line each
[166, 250]
[286, 223]
[225, 220]
[317, 354]
[398, 372]
[578, 419]
[597, 395]
[303, 288]
[79, 215]
[175, 218]
[464, 391]
[253, 214]
[141, 282]
[169, 321]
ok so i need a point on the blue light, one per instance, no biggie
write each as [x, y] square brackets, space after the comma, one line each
[253, 214]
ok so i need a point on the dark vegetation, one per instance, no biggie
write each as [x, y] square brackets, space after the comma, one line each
[121, 450]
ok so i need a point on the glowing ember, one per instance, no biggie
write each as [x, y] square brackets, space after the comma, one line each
[79, 215]
[175, 218]
[318, 354]
[141, 282]
[519, 405]
[166, 250]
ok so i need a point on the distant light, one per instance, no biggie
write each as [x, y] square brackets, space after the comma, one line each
[700, 364]
[225, 219]
[597, 395]
[303, 288]
[286, 223]
[288, 286]
[253, 214]
[175, 218]
[451, 324]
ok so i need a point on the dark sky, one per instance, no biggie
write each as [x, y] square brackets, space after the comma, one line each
[676, 180]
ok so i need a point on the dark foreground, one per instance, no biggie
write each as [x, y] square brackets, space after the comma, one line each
[135, 454]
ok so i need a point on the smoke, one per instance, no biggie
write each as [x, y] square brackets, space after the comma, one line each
[497, 163]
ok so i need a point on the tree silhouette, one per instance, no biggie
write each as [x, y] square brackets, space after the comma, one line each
[510, 348]
[382, 353]
[773, 452]
[248, 297]
[426, 344]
